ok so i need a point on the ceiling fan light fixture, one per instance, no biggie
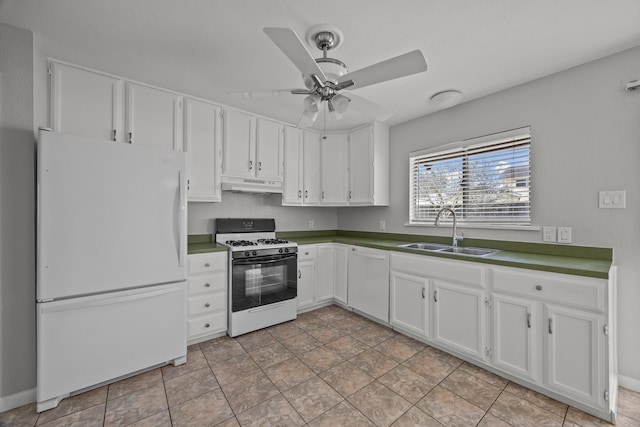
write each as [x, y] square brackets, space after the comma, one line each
[446, 98]
[340, 103]
[311, 104]
[335, 115]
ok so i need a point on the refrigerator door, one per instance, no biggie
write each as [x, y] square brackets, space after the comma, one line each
[111, 216]
[83, 342]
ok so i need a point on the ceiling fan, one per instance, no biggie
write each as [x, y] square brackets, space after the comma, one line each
[324, 78]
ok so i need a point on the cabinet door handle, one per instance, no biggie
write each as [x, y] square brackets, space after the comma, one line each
[435, 296]
[130, 137]
[349, 194]
[299, 194]
[306, 194]
[207, 305]
[323, 194]
[114, 135]
[206, 325]
[422, 293]
[299, 274]
[529, 320]
[250, 164]
[207, 285]
[538, 288]
[207, 265]
[550, 326]
[259, 166]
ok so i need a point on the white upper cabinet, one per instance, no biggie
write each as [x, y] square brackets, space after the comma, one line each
[292, 186]
[154, 117]
[311, 167]
[269, 149]
[86, 103]
[253, 147]
[369, 165]
[202, 140]
[334, 162]
[238, 144]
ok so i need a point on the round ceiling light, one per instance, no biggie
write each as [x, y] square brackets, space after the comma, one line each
[446, 98]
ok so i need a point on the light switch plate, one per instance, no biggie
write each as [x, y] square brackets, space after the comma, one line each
[549, 234]
[564, 234]
[612, 199]
[311, 224]
[383, 225]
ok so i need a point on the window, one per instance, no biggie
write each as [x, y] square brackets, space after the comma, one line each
[485, 180]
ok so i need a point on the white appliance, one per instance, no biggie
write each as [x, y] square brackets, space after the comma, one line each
[263, 285]
[111, 248]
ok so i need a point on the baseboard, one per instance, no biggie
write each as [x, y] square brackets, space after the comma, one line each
[629, 383]
[18, 399]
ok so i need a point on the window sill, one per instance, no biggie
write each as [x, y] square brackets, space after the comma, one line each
[479, 226]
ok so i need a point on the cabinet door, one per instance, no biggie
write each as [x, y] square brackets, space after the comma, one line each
[202, 144]
[324, 273]
[85, 103]
[311, 168]
[306, 279]
[459, 318]
[334, 162]
[575, 354]
[361, 167]
[408, 302]
[154, 117]
[292, 183]
[515, 336]
[369, 282]
[238, 144]
[269, 146]
[341, 273]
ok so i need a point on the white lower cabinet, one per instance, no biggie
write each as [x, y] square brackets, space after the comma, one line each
[340, 273]
[315, 275]
[306, 276]
[368, 279]
[325, 263]
[207, 296]
[409, 304]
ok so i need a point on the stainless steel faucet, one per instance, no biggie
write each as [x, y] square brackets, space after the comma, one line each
[455, 237]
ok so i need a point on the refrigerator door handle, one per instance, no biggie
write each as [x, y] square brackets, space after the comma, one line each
[182, 193]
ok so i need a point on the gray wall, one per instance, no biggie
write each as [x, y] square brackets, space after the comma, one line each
[17, 218]
[585, 139]
[288, 218]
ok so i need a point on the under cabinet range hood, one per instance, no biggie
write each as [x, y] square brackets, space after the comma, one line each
[250, 185]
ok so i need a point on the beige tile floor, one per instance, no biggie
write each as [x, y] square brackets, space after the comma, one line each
[329, 367]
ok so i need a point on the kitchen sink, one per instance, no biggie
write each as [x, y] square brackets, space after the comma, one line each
[470, 251]
[436, 247]
[425, 246]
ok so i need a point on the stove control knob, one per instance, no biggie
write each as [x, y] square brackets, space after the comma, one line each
[247, 253]
[254, 253]
[286, 250]
[280, 250]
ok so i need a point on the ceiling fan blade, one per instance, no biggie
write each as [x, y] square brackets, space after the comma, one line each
[368, 108]
[263, 93]
[291, 45]
[400, 66]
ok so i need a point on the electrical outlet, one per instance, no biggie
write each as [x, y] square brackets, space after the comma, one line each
[311, 224]
[383, 225]
[549, 234]
[564, 234]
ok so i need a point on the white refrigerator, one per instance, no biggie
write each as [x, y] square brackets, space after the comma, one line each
[111, 248]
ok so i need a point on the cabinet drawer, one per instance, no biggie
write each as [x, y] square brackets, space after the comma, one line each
[201, 263]
[208, 283]
[207, 303]
[584, 292]
[210, 324]
[306, 252]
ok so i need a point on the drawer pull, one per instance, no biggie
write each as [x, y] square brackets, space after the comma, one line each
[538, 288]
[422, 293]
[207, 264]
[206, 325]
[207, 305]
[529, 320]
[550, 328]
[435, 296]
[207, 285]
[299, 274]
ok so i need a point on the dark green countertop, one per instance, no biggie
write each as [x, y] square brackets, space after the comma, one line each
[568, 259]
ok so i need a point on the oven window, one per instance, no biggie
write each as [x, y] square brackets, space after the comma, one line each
[257, 282]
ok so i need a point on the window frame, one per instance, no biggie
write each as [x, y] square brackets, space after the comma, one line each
[461, 150]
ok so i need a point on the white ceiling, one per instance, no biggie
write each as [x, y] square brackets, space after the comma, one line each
[209, 48]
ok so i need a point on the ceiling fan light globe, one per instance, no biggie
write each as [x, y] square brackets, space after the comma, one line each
[335, 115]
[311, 104]
[340, 103]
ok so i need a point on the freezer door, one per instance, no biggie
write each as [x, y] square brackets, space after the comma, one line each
[85, 341]
[111, 216]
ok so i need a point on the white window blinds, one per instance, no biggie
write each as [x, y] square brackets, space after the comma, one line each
[485, 180]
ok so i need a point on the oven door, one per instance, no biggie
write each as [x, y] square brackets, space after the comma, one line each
[263, 280]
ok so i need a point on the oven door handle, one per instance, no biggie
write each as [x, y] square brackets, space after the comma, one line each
[263, 260]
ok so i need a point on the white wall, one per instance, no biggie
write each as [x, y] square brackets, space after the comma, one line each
[585, 139]
[288, 218]
[17, 219]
